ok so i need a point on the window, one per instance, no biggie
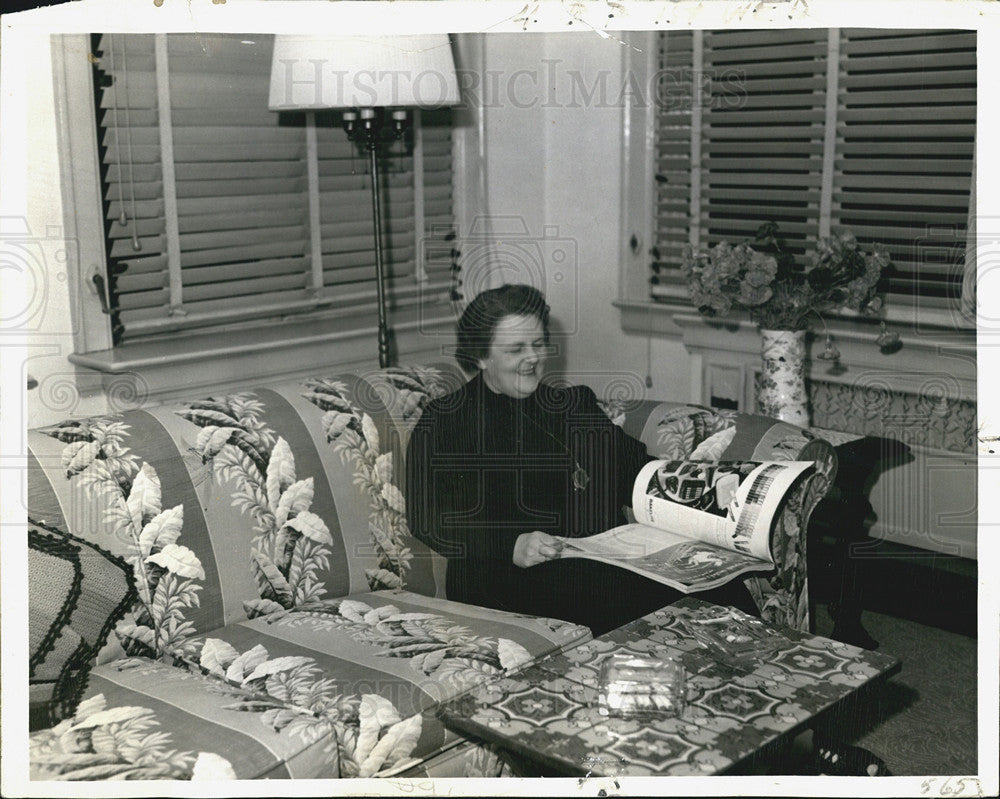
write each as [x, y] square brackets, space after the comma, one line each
[871, 131]
[219, 211]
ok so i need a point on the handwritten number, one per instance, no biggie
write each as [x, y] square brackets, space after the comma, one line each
[952, 786]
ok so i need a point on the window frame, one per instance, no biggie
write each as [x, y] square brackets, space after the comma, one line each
[640, 313]
[280, 349]
[83, 201]
[216, 249]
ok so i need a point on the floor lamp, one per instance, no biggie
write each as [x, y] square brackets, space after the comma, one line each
[373, 80]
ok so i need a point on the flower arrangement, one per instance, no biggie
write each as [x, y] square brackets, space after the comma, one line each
[761, 276]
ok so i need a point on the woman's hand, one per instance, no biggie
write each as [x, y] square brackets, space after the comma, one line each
[537, 547]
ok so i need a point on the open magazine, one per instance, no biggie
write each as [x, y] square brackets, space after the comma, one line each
[698, 524]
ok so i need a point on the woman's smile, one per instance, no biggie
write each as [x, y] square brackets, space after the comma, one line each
[513, 364]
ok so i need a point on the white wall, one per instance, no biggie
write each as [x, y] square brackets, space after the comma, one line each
[554, 159]
[52, 252]
[51, 171]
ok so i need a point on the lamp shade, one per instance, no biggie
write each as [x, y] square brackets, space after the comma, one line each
[314, 72]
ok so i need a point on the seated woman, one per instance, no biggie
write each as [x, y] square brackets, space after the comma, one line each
[499, 467]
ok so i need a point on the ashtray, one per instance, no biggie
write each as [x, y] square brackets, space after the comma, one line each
[734, 637]
[629, 686]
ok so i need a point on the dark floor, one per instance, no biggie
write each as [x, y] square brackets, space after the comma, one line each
[921, 608]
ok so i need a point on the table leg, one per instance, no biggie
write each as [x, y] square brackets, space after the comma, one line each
[838, 523]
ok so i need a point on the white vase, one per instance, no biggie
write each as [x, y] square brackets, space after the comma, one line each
[782, 393]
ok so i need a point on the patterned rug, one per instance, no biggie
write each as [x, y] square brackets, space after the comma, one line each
[924, 722]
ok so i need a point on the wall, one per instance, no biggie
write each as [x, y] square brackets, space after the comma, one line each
[59, 174]
[62, 389]
[554, 160]
[553, 165]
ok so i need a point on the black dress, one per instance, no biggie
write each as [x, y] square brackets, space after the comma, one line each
[483, 468]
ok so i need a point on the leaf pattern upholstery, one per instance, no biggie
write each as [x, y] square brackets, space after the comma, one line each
[691, 432]
[286, 623]
[440, 655]
[120, 743]
[167, 575]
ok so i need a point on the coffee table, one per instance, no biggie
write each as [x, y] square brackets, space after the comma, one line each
[546, 716]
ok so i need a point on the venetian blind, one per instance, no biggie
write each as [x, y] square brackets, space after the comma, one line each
[223, 211]
[905, 138]
[762, 133]
[676, 96]
[819, 131]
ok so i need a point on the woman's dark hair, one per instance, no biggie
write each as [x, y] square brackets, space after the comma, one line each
[481, 317]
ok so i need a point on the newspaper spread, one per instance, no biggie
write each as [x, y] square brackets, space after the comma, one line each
[698, 524]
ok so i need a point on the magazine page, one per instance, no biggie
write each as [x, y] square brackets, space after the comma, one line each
[676, 560]
[726, 505]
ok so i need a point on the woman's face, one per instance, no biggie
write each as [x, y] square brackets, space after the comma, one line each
[513, 364]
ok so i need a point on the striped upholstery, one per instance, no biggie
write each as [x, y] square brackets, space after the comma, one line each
[348, 688]
[330, 448]
[198, 734]
[287, 623]
[692, 432]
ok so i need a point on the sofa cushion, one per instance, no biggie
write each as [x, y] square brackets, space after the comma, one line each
[375, 666]
[128, 485]
[144, 719]
[345, 687]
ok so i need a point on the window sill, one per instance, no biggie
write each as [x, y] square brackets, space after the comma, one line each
[148, 372]
[947, 352]
[943, 326]
[652, 318]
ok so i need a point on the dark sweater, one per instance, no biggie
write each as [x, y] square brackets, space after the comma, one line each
[483, 468]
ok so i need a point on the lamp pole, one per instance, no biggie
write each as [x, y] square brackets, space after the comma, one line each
[366, 128]
[383, 325]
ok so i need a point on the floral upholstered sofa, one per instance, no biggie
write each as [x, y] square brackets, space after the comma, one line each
[225, 587]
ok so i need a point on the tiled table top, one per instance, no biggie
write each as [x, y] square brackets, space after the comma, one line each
[548, 712]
